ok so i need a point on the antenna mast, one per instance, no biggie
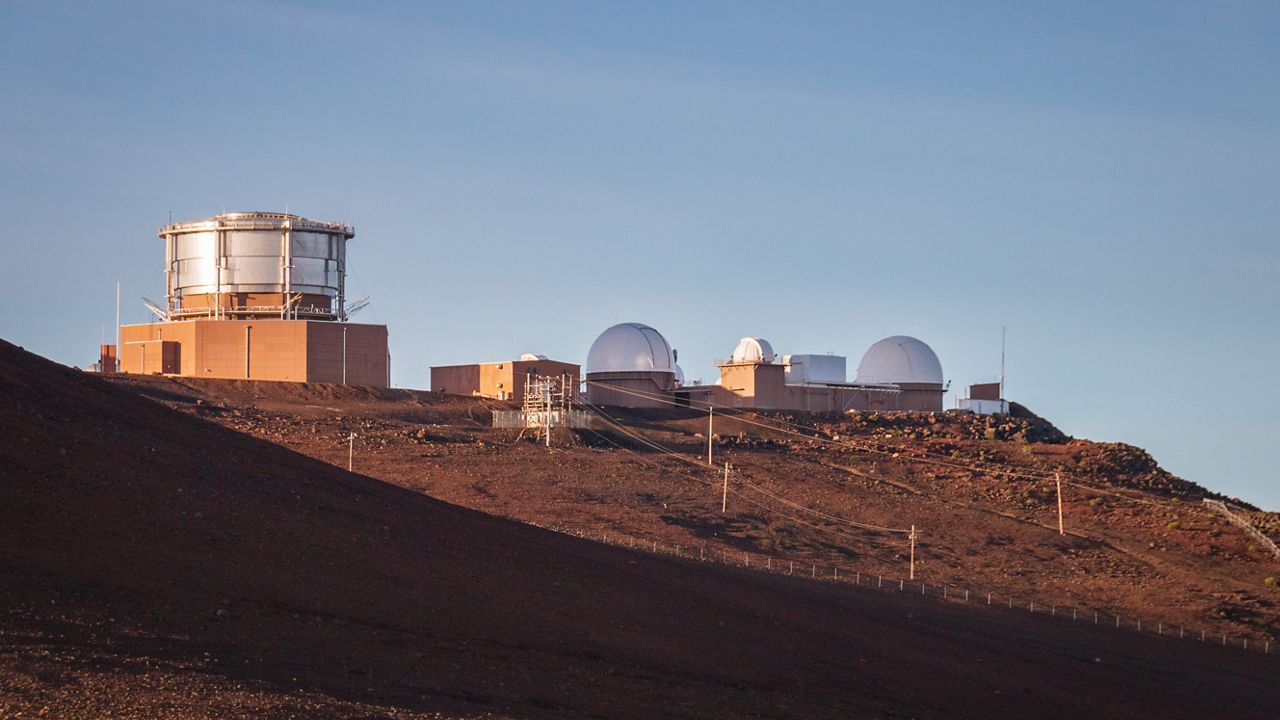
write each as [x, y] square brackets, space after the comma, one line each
[1003, 332]
[117, 358]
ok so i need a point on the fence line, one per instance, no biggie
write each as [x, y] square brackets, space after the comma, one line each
[1243, 524]
[943, 592]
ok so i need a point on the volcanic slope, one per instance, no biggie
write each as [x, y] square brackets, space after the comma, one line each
[153, 564]
[1139, 544]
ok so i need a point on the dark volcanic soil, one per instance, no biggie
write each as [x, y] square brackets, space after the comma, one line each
[154, 564]
[1140, 544]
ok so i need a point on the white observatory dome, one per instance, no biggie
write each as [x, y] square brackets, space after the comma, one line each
[630, 347]
[529, 357]
[900, 359]
[679, 376]
[753, 350]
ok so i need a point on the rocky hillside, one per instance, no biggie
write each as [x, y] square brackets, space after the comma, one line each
[1139, 543]
[154, 564]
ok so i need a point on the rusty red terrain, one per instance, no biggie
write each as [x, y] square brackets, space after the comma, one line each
[158, 563]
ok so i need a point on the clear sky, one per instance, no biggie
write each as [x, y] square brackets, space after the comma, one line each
[1101, 178]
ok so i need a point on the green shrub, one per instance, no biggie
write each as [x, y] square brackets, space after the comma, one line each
[1095, 501]
[1270, 582]
[1174, 525]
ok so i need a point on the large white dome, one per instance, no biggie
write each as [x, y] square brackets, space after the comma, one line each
[630, 347]
[753, 350]
[900, 359]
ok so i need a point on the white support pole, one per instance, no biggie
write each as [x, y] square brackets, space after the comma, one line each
[1058, 479]
[724, 497]
[913, 552]
[351, 451]
[116, 360]
[711, 428]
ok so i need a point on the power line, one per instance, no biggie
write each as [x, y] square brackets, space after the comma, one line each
[662, 449]
[914, 454]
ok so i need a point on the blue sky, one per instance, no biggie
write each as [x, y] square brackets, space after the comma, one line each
[1101, 178]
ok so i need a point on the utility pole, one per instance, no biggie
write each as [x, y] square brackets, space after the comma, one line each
[724, 497]
[711, 424]
[1003, 332]
[351, 450]
[116, 361]
[913, 552]
[1057, 477]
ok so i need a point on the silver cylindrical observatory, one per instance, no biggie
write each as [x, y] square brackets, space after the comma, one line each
[256, 264]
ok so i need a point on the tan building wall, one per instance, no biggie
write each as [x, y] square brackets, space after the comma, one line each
[289, 350]
[366, 357]
[501, 380]
[921, 396]
[984, 391]
[764, 387]
[156, 357]
[522, 369]
[456, 379]
[627, 383]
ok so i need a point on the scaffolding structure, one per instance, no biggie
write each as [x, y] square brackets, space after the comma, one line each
[547, 404]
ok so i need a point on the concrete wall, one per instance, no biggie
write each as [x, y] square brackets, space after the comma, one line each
[289, 350]
[764, 387]
[456, 379]
[502, 380]
[631, 382]
[985, 391]
[521, 369]
[985, 407]
[366, 355]
[133, 338]
[920, 396]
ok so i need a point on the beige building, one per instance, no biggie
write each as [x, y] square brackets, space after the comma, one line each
[903, 374]
[764, 386]
[503, 380]
[263, 349]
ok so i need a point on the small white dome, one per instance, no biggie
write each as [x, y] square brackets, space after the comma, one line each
[679, 376]
[532, 356]
[900, 359]
[630, 347]
[753, 350]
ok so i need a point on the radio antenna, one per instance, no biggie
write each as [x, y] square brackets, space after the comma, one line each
[1003, 333]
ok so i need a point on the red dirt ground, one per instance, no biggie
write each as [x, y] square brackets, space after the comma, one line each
[155, 564]
[1140, 544]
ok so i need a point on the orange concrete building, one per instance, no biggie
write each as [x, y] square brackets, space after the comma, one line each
[499, 380]
[764, 386]
[258, 296]
[897, 373]
[265, 349]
